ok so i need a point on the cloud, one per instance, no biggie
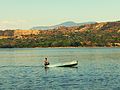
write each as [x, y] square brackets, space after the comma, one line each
[12, 24]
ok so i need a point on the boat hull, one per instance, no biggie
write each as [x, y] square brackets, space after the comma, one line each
[69, 64]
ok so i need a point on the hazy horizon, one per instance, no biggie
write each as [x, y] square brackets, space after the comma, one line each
[25, 14]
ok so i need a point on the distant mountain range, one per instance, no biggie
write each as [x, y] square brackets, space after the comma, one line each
[67, 24]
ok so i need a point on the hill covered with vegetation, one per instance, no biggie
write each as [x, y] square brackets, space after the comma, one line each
[105, 34]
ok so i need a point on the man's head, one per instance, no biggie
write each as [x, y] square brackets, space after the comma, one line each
[45, 58]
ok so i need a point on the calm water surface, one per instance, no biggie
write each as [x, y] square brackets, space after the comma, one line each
[22, 69]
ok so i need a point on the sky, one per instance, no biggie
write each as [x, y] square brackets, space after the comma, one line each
[25, 14]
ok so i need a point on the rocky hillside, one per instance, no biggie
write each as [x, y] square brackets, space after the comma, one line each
[105, 26]
[17, 33]
[97, 34]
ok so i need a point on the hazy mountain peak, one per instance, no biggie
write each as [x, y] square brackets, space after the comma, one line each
[67, 24]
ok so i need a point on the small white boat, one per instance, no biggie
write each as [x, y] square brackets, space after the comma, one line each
[67, 64]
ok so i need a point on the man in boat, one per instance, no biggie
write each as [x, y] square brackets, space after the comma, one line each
[46, 62]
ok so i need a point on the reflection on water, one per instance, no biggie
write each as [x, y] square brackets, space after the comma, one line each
[22, 69]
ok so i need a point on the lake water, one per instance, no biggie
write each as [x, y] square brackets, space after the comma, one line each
[22, 69]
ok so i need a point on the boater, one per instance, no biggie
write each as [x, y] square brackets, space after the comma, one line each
[46, 62]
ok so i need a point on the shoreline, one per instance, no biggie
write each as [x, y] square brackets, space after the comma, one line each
[61, 47]
[76, 47]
